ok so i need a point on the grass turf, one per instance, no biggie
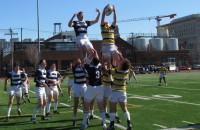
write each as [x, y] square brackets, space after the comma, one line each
[151, 106]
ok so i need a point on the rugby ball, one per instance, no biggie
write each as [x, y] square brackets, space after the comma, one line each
[108, 10]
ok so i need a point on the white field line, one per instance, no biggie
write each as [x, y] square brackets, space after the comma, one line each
[169, 87]
[161, 126]
[107, 121]
[187, 122]
[184, 89]
[181, 102]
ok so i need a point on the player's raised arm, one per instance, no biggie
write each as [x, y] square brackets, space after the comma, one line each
[97, 18]
[70, 24]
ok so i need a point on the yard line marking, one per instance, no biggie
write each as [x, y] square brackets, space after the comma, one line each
[140, 97]
[107, 121]
[161, 126]
[133, 105]
[169, 87]
[187, 122]
[181, 102]
[183, 89]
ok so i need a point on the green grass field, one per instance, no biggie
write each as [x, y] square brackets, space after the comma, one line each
[152, 107]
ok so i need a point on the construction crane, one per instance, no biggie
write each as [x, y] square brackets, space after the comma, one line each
[157, 18]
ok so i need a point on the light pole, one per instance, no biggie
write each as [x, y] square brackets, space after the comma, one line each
[38, 27]
[11, 33]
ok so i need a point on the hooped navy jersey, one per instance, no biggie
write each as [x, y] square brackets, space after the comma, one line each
[80, 27]
[40, 77]
[16, 77]
[94, 74]
[79, 74]
[53, 75]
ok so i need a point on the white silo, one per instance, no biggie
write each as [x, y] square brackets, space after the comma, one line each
[171, 44]
[156, 44]
[142, 44]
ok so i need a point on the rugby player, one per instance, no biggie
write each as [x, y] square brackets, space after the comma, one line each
[118, 94]
[162, 70]
[52, 89]
[109, 49]
[15, 77]
[79, 86]
[82, 40]
[40, 80]
[94, 90]
[25, 87]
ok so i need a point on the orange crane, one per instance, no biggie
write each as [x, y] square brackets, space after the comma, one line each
[157, 18]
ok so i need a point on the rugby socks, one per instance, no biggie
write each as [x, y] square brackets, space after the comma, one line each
[43, 110]
[112, 116]
[35, 112]
[91, 112]
[8, 111]
[102, 114]
[48, 106]
[106, 111]
[127, 115]
[74, 116]
[116, 115]
[18, 106]
[85, 116]
[55, 106]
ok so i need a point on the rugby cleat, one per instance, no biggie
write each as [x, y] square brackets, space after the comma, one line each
[34, 121]
[118, 119]
[44, 118]
[104, 127]
[48, 114]
[83, 127]
[112, 127]
[56, 112]
[74, 123]
[91, 117]
[129, 127]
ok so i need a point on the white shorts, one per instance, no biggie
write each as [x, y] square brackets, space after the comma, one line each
[40, 92]
[118, 97]
[107, 91]
[15, 90]
[162, 75]
[84, 41]
[70, 83]
[54, 91]
[94, 92]
[109, 50]
[24, 89]
[132, 74]
[79, 90]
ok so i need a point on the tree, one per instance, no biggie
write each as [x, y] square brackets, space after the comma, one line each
[32, 54]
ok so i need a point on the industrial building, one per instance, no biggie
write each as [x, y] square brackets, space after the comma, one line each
[187, 30]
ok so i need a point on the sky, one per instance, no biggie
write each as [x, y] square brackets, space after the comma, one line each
[17, 14]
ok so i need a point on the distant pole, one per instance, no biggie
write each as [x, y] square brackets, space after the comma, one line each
[38, 27]
[132, 38]
[12, 46]
[21, 34]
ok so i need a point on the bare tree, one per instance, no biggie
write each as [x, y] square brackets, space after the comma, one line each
[32, 54]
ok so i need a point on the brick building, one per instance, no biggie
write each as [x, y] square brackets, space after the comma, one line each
[62, 53]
